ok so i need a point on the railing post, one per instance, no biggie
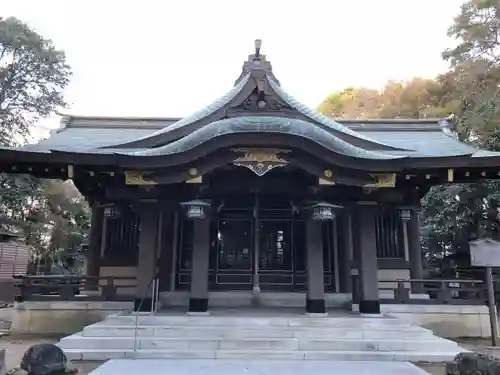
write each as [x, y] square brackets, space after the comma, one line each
[355, 286]
[66, 289]
[402, 293]
[24, 291]
[109, 290]
[444, 295]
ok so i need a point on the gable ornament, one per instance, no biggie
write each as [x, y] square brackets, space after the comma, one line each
[260, 161]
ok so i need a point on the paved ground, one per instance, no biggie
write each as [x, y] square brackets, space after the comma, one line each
[261, 367]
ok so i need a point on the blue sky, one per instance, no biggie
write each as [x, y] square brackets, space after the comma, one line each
[169, 58]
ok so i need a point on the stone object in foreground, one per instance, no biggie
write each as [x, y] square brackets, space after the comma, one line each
[473, 364]
[45, 359]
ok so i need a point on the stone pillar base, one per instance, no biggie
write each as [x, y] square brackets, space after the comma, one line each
[369, 306]
[315, 306]
[194, 313]
[198, 305]
[316, 315]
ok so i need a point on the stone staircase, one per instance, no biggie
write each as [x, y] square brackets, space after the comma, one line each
[352, 338]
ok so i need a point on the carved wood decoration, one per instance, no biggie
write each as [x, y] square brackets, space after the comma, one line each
[260, 101]
[260, 161]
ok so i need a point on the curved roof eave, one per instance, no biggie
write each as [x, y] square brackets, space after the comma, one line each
[264, 124]
[202, 113]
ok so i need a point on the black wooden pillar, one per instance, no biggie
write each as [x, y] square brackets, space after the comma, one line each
[198, 300]
[149, 214]
[315, 303]
[345, 244]
[166, 243]
[94, 246]
[415, 251]
[365, 257]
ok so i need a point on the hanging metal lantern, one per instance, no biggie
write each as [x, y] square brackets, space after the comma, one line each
[323, 211]
[405, 214]
[196, 209]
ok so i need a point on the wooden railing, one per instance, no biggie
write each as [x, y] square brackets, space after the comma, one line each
[439, 292]
[75, 288]
[428, 291]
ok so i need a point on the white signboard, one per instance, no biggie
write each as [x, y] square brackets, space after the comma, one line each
[485, 253]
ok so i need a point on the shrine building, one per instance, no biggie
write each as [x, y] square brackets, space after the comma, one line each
[254, 193]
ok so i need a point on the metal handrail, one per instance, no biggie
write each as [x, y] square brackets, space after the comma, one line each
[154, 285]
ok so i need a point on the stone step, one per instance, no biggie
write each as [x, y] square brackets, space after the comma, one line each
[238, 337]
[219, 321]
[341, 355]
[105, 330]
[150, 343]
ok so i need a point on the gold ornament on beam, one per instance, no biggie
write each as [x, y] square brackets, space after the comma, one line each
[260, 161]
[137, 178]
[383, 181]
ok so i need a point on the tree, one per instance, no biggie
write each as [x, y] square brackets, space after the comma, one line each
[33, 74]
[475, 62]
[352, 103]
[416, 98]
[52, 215]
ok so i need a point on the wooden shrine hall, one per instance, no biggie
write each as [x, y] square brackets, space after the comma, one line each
[255, 192]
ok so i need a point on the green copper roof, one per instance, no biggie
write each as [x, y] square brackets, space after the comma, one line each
[263, 124]
[422, 138]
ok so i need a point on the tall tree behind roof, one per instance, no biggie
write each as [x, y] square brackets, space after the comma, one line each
[33, 74]
[416, 98]
[475, 62]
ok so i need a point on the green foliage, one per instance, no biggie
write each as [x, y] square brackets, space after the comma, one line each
[456, 213]
[52, 215]
[33, 74]
[418, 98]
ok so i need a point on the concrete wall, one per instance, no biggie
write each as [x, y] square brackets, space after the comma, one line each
[61, 318]
[451, 321]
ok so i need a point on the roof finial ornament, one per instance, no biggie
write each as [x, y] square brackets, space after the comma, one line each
[258, 44]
